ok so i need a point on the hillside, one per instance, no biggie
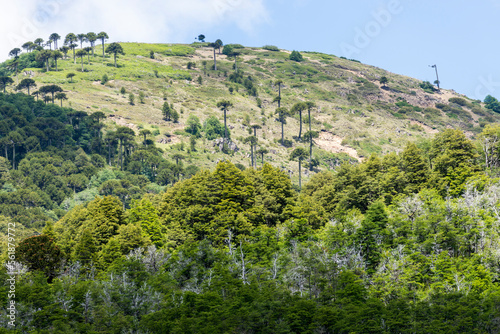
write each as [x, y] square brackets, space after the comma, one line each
[355, 114]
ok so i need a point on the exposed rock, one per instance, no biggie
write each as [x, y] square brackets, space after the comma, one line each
[231, 146]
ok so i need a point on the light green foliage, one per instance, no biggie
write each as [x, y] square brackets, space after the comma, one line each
[193, 126]
[296, 56]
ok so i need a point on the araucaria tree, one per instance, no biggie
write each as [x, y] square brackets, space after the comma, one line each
[61, 97]
[54, 38]
[299, 108]
[26, 83]
[82, 38]
[4, 81]
[224, 105]
[56, 54]
[70, 42]
[81, 54]
[214, 46]
[52, 89]
[92, 38]
[44, 56]
[282, 114]
[299, 154]
[103, 37]
[115, 49]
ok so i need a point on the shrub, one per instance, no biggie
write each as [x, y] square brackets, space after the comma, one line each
[123, 91]
[458, 100]
[296, 56]
[131, 99]
[270, 48]
[104, 79]
[141, 97]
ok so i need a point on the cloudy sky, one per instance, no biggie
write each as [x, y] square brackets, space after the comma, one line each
[402, 36]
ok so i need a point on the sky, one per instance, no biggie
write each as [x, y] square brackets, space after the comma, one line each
[401, 36]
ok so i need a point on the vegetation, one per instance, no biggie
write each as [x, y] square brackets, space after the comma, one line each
[134, 218]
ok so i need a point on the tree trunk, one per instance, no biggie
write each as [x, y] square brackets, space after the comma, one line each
[225, 126]
[47, 64]
[300, 128]
[82, 64]
[282, 134]
[103, 50]
[74, 56]
[215, 62]
[310, 140]
[279, 95]
[300, 173]
[251, 149]
[13, 155]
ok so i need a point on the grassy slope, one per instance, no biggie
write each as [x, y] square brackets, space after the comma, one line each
[353, 107]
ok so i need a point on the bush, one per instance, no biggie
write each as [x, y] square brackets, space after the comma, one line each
[131, 99]
[141, 97]
[104, 79]
[214, 128]
[287, 143]
[458, 100]
[296, 56]
[427, 87]
[270, 48]
[123, 91]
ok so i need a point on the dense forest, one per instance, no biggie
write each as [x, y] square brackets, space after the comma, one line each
[112, 237]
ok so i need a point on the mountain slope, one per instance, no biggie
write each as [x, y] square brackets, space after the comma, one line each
[355, 114]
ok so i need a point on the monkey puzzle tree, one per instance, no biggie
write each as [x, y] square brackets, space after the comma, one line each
[219, 44]
[282, 115]
[92, 38]
[262, 151]
[44, 56]
[5, 81]
[50, 89]
[278, 82]
[26, 83]
[299, 108]
[64, 49]
[54, 38]
[70, 76]
[214, 46]
[309, 135]
[383, 81]
[103, 37]
[56, 54]
[81, 38]
[201, 38]
[15, 53]
[224, 105]
[252, 140]
[38, 41]
[124, 135]
[28, 46]
[61, 97]
[299, 154]
[115, 49]
[70, 40]
[81, 54]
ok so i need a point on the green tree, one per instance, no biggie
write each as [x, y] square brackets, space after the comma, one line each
[144, 133]
[193, 126]
[115, 49]
[298, 108]
[44, 57]
[144, 214]
[309, 136]
[103, 37]
[131, 99]
[300, 154]
[54, 38]
[414, 166]
[70, 76]
[85, 251]
[219, 44]
[383, 81]
[40, 253]
[252, 140]
[125, 136]
[201, 38]
[56, 55]
[224, 105]
[61, 97]
[92, 38]
[15, 139]
[70, 40]
[26, 83]
[166, 111]
[52, 89]
[279, 82]
[81, 38]
[38, 41]
[81, 54]
[214, 46]
[296, 56]
[262, 151]
[106, 215]
[282, 115]
[4, 82]
[28, 46]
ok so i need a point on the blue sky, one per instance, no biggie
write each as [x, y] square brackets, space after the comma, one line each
[401, 36]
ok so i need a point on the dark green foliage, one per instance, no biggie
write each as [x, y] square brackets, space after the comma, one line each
[492, 103]
[428, 87]
[40, 253]
[296, 56]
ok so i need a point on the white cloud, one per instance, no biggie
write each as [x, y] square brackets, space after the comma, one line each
[124, 20]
